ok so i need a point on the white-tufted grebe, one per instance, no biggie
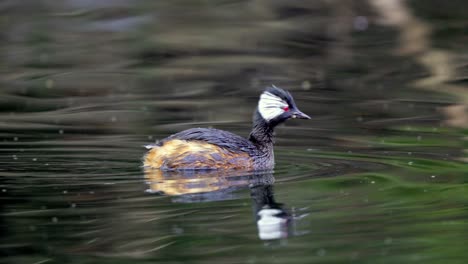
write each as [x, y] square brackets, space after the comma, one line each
[207, 148]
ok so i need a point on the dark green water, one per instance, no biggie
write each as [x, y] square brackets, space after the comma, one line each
[378, 175]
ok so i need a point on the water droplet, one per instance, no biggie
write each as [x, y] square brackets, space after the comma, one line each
[34, 159]
[15, 157]
[372, 182]
[61, 131]
[419, 138]
[15, 139]
[54, 219]
[65, 192]
[113, 119]
[410, 163]
[433, 176]
[359, 119]
[150, 137]
[4, 190]
[73, 205]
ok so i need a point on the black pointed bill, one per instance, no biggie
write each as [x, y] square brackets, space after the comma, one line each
[298, 114]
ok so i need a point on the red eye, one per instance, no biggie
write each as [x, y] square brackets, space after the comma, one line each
[286, 108]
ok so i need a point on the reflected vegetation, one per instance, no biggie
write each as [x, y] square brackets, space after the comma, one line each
[379, 175]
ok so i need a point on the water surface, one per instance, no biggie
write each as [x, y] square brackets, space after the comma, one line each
[378, 175]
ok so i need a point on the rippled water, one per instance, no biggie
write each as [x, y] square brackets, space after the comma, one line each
[378, 175]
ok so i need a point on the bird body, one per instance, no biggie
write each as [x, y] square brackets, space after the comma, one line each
[202, 148]
[208, 148]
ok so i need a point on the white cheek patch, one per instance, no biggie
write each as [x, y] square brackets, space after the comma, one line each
[270, 106]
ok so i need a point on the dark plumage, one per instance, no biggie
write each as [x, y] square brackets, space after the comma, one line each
[208, 148]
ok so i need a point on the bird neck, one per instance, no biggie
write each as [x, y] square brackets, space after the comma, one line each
[262, 133]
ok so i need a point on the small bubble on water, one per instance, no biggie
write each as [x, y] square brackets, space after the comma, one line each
[360, 23]
[43, 57]
[15, 157]
[410, 163]
[61, 131]
[73, 205]
[409, 153]
[150, 137]
[306, 85]
[32, 228]
[49, 83]
[321, 252]
[433, 176]
[54, 219]
[113, 119]
[4, 190]
[372, 182]
[177, 230]
[419, 138]
[65, 192]
[34, 159]
[47, 164]
[388, 240]
[359, 119]
[15, 139]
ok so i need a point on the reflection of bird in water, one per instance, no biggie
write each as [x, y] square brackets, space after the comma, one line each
[273, 221]
[204, 148]
[202, 185]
